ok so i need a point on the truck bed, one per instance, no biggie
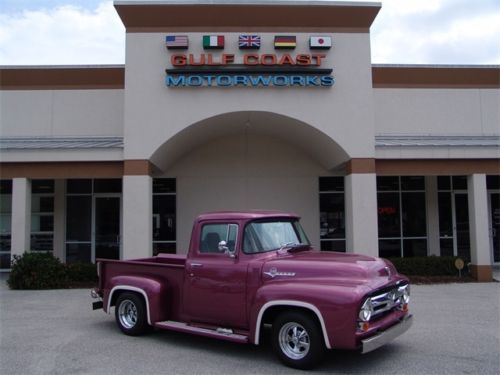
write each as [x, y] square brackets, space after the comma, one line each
[166, 269]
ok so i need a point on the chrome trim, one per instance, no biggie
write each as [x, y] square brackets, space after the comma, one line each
[386, 336]
[388, 300]
[133, 289]
[306, 305]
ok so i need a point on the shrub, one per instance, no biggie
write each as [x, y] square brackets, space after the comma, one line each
[37, 271]
[82, 272]
[427, 266]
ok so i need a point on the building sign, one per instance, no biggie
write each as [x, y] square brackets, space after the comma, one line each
[251, 69]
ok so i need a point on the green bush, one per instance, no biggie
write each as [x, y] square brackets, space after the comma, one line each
[427, 266]
[82, 272]
[37, 271]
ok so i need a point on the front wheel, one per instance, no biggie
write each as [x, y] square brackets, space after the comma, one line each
[130, 314]
[297, 340]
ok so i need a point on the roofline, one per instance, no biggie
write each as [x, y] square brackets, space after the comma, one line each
[83, 77]
[254, 2]
[86, 77]
[268, 16]
[436, 76]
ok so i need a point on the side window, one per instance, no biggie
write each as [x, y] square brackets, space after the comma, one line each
[213, 234]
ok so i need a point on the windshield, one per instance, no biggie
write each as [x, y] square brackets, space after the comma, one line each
[262, 236]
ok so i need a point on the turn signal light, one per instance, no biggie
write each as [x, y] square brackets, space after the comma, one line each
[405, 307]
[364, 326]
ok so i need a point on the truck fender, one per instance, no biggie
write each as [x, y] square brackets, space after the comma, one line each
[153, 292]
[293, 303]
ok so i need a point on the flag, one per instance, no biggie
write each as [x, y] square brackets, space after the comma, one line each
[177, 41]
[285, 41]
[213, 41]
[249, 41]
[320, 42]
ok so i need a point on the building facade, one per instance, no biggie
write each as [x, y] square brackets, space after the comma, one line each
[226, 106]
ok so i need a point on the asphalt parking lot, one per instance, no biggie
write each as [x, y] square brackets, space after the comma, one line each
[456, 331]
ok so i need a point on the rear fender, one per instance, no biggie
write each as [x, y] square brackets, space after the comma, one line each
[153, 291]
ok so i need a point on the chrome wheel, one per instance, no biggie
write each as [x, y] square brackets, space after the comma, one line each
[127, 312]
[294, 340]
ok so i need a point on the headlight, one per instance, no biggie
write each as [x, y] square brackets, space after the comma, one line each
[366, 310]
[405, 293]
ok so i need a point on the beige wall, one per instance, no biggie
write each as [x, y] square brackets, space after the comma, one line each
[246, 171]
[61, 113]
[437, 111]
[155, 113]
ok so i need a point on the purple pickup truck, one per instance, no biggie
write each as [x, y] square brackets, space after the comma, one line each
[245, 270]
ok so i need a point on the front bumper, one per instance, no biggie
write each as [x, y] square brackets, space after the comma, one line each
[386, 336]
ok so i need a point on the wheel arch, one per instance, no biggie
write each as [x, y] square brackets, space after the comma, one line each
[119, 289]
[270, 309]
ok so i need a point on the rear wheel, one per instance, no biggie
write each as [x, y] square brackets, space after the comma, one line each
[297, 340]
[130, 314]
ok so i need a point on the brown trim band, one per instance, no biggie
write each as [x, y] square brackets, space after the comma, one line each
[360, 165]
[436, 77]
[248, 29]
[137, 168]
[56, 78]
[62, 170]
[242, 17]
[481, 273]
[436, 167]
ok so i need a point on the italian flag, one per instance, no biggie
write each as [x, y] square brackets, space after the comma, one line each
[213, 41]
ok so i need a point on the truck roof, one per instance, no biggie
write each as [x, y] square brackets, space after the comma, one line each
[246, 215]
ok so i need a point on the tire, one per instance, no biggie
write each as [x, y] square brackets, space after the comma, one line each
[297, 340]
[130, 314]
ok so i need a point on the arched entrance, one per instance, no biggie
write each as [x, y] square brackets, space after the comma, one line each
[248, 160]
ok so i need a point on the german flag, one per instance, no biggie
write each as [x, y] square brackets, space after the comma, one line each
[285, 42]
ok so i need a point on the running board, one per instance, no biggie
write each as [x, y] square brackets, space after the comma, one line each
[221, 333]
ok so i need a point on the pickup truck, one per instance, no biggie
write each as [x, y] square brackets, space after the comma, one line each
[247, 270]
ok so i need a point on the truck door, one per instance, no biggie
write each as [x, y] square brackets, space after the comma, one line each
[215, 284]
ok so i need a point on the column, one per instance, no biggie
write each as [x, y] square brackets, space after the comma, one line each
[361, 213]
[432, 208]
[481, 267]
[21, 216]
[137, 216]
[59, 219]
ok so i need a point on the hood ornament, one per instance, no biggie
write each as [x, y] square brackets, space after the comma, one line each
[273, 272]
[388, 271]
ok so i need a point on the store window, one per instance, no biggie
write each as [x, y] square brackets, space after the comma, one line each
[453, 206]
[164, 215]
[93, 219]
[402, 228]
[42, 215]
[493, 186]
[332, 214]
[5, 223]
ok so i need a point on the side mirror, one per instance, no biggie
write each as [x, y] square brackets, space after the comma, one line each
[224, 249]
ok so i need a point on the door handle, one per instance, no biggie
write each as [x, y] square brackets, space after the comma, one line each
[196, 265]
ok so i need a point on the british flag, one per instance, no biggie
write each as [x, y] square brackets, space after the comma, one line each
[249, 41]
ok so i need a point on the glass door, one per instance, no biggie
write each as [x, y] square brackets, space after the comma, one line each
[107, 227]
[495, 225]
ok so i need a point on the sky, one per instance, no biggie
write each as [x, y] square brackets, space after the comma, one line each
[86, 32]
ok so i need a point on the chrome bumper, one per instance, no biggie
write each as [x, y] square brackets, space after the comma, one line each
[384, 337]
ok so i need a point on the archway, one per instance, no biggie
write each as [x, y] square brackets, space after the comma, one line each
[248, 160]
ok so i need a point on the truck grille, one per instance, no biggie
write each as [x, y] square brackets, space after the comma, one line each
[387, 300]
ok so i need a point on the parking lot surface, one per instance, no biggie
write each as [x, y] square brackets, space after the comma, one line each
[456, 331]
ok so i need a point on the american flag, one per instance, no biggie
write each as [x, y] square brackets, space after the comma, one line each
[176, 41]
[249, 41]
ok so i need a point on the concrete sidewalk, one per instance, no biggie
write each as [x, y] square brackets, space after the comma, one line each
[456, 330]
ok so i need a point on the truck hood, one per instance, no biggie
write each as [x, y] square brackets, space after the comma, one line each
[330, 267]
